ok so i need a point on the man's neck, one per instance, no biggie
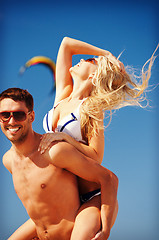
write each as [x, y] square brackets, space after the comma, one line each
[28, 146]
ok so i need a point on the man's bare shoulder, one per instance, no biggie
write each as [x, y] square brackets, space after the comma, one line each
[7, 159]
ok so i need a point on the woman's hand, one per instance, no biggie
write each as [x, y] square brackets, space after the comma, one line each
[49, 138]
[115, 61]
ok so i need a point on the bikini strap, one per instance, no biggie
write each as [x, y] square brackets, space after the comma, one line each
[83, 100]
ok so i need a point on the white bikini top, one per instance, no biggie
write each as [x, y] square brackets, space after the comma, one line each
[70, 124]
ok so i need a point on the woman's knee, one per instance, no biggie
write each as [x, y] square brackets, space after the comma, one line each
[61, 149]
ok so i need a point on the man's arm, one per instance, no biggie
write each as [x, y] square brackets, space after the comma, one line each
[7, 159]
[25, 232]
[65, 156]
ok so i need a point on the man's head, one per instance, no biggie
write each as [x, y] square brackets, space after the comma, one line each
[16, 114]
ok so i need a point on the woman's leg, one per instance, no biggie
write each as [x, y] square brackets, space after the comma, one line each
[88, 221]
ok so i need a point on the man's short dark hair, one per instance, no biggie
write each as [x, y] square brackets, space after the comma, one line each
[18, 94]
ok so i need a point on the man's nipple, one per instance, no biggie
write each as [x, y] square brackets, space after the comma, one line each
[43, 185]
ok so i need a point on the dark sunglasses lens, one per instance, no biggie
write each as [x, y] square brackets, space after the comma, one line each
[4, 116]
[19, 116]
[90, 60]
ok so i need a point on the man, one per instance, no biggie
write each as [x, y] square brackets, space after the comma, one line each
[46, 183]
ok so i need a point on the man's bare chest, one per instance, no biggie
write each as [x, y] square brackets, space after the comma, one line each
[42, 187]
[33, 176]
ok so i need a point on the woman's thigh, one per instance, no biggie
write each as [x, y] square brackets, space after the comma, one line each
[88, 221]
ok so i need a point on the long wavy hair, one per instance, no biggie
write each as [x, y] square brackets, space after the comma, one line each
[113, 89]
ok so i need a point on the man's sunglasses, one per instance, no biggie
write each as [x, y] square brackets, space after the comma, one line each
[92, 60]
[17, 115]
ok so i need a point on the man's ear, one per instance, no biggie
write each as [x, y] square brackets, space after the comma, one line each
[32, 116]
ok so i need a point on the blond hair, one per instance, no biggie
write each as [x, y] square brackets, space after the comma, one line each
[113, 89]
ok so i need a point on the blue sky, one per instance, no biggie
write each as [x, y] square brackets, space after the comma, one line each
[30, 28]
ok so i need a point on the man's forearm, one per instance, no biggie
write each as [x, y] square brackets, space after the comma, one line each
[27, 231]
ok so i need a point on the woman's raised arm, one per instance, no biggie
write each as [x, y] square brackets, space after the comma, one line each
[68, 48]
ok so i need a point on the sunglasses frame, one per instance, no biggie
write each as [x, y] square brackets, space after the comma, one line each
[11, 114]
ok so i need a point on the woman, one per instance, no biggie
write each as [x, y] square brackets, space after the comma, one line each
[83, 93]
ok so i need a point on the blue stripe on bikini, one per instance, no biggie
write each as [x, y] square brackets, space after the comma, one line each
[74, 119]
[47, 123]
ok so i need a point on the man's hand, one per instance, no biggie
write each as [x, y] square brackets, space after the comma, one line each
[101, 236]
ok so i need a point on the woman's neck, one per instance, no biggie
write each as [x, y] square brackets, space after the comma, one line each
[81, 89]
